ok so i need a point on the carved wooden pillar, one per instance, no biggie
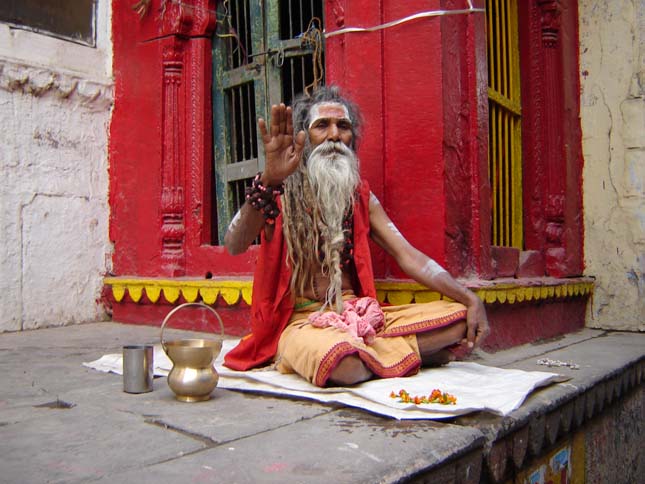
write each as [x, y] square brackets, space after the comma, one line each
[172, 191]
[552, 155]
[184, 25]
[550, 12]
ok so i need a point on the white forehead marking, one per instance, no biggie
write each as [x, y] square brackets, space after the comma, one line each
[432, 268]
[373, 199]
[393, 228]
[314, 113]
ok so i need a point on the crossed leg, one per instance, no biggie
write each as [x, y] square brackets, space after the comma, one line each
[433, 344]
[351, 370]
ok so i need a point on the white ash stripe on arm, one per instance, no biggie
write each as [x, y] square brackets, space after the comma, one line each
[432, 268]
[233, 225]
[392, 227]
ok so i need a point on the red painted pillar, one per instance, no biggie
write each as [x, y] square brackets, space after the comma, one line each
[465, 101]
[553, 142]
[422, 88]
[355, 62]
[414, 129]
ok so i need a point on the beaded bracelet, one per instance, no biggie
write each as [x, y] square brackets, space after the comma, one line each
[264, 198]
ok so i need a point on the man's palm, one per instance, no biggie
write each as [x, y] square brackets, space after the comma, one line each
[282, 154]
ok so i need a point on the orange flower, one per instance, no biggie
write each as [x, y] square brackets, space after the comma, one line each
[436, 396]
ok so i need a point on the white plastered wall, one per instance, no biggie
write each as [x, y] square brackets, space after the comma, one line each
[612, 64]
[55, 101]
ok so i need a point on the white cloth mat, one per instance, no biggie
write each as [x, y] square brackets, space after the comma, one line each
[477, 387]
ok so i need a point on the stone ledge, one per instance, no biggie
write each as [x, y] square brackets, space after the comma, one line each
[554, 412]
[242, 437]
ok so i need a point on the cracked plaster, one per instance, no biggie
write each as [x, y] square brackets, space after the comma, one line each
[55, 102]
[53, 196]
[612, 55]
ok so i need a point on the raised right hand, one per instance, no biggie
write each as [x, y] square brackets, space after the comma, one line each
[282, 152]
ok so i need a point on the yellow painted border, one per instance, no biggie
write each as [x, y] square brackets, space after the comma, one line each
[234, 291]
[208, 290]
[492, 293]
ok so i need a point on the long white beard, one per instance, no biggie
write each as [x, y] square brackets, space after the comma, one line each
[332, 168]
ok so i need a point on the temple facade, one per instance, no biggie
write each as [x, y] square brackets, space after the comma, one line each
[484, 137]
[471, 140]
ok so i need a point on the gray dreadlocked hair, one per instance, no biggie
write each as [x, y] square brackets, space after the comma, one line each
[305, 228]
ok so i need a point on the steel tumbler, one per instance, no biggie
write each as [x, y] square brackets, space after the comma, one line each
[137, 368]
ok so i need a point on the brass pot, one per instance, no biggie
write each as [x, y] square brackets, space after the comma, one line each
[193, 376]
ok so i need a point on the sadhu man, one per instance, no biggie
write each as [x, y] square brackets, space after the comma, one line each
[314, 310]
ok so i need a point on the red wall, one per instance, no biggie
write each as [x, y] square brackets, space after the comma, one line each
[135, 144]
[423, 93]
[422, 90]
[158, 142]
[414, 128]
[163, 143]
[424, 148]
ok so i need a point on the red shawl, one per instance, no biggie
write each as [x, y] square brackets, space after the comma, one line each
[272, 304]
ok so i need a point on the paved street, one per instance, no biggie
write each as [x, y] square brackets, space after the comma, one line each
[62, 422]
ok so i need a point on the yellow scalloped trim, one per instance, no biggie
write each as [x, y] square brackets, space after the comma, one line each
[209, 294]
[190, 293]
[230, 295]
[235, 291]
[190, 290]
[118, 291]
[135, 292]
[519, 297]
[496, 293]
[246, 294]
[153, 293]
[426, 296]
[171, 294]
[490, 297]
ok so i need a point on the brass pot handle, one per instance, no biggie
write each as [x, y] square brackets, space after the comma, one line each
[182, 306]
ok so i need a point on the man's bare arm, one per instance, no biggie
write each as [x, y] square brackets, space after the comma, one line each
[282, 156]
[426, 271]
[243, 230]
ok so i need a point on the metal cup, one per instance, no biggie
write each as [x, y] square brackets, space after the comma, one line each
[137, 368]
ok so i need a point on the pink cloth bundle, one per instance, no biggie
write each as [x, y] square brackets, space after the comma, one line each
[361, 317]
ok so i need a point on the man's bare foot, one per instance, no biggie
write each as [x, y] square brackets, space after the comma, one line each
[438, 358]
[350, 371]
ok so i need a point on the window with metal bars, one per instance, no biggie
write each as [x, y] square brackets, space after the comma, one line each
[264, 53]
[505, 123]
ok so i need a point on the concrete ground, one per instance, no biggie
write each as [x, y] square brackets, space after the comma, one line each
[61, 422]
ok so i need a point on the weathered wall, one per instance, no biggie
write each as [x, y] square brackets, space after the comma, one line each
[614, 442]
[55, 100]
[612, 63]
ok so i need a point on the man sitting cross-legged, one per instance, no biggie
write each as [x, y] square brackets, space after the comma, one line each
[314, 310]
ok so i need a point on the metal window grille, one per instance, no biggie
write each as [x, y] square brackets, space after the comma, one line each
[261, 56]
[505, 123]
